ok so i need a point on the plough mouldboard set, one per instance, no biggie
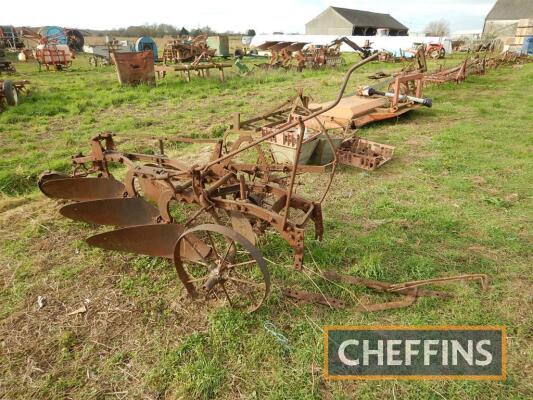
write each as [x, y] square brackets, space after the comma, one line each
[208, 218]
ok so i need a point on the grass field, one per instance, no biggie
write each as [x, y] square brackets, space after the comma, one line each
[455, 199]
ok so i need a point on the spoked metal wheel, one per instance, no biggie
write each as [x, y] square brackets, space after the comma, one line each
[435, 54]
[234, 270]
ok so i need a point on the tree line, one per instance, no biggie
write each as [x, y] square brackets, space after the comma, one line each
[160, 30]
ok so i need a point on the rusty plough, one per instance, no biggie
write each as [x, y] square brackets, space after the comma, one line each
[207, 217]
[241, 200]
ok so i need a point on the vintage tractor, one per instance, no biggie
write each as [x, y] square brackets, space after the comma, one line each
[435, 50]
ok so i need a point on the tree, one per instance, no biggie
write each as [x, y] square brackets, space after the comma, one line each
[184, 32]
[250, 32]
[206, 30]
[437, 28]
[166, 30]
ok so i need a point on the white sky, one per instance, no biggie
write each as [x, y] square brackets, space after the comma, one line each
[265, 16]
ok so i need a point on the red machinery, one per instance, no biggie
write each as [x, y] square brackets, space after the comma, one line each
[435, 50]
[48, 52]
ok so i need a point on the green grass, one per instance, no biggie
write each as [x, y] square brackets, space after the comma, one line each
[455, 199]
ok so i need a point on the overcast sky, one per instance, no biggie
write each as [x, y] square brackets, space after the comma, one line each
[265, 16]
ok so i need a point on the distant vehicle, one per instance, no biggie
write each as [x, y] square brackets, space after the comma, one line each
[435, 50]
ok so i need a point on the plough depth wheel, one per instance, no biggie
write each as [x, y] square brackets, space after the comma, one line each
[234, 270]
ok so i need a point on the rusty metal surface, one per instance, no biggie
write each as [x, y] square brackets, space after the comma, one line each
[116, 212]
[365, 154]
[49, 176]
[134, 68]
[201, 69]
[232, 277]
[156, 240]
[409, 290]
[314, 298]
[82, 189]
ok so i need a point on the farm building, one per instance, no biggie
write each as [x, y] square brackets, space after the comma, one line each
[502, 20]
[348, 22]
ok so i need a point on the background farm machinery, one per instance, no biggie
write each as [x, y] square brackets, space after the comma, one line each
[402, 94]
[71, 37]
[6, 65]
[10, 39]
[295, 55]
[50, 52]
[183, 50]
[101, 54]
[194, 55]
[476, 65]
[435, 51]
[10, 91]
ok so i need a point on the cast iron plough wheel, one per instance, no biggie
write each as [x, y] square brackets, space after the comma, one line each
[235, 270]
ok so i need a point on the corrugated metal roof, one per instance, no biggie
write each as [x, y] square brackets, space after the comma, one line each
[362, 18]
[511, 10]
